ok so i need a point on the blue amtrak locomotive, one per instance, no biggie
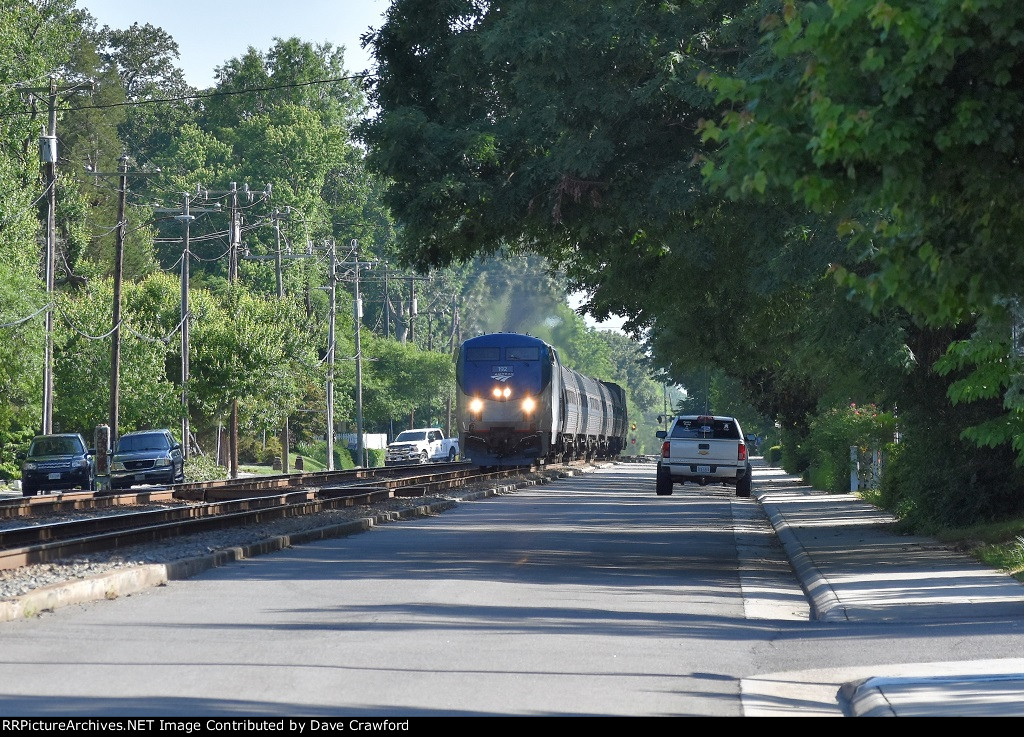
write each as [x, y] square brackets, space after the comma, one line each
[517, 404]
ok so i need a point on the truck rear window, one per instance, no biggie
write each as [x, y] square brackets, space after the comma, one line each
[706, 429]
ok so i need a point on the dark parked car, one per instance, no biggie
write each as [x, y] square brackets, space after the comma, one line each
[146, 457]
[58, 461]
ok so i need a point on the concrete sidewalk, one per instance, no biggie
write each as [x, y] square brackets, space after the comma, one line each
[855, 567]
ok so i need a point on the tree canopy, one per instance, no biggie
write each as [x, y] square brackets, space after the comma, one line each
[810, 198]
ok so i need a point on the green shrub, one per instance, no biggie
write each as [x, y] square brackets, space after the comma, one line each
[935, 481]
[834, 432]
[316, 452]
[794, 452]
[774, 457]
[203, 468]
[343, 458]
[253, 452]
[10, 470]
[374, 458]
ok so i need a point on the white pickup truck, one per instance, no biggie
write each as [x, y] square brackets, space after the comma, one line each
[703, 449]
[425, 445]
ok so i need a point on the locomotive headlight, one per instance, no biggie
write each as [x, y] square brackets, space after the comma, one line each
[476, 405]
[497, 392]
[529, 405]
[506, 392]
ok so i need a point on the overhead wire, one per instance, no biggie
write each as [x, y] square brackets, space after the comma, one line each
[195, 96]
[21, 320]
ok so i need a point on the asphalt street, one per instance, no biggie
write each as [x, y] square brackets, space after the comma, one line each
[853, 567]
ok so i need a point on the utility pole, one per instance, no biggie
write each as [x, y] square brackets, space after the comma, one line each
[234, 236]
[286, 432]
[412, 330]
[332, 276]
[277, 250]
[452, 349]
[185, 218]
[358, 309]
[412, 309]
[48, 149]
[235, 246]
[115, 338]
[186, 256]
[48, 158]
[407, 333]
[387, 304]
[115, 343]
[278, 257]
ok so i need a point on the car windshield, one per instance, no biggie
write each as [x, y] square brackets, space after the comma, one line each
[410, 435]
[55, 447]
[131, 443]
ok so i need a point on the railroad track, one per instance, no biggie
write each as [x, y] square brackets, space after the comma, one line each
[43, 532]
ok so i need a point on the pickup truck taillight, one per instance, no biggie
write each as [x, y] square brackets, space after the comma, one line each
[741, 454]
[664, 449]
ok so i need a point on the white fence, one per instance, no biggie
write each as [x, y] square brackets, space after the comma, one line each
[865, 468]
[370, 440]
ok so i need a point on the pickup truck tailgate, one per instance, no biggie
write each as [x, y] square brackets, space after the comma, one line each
[703, 451]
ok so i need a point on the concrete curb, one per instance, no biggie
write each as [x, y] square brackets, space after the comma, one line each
[129, 581]
[863, 698]
[825, 603]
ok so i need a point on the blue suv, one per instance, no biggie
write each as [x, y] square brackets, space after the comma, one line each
[146, 457]
[58, 461]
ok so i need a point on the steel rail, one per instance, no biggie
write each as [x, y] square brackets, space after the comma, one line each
[65, 501]
[149, 527]
[52, 541]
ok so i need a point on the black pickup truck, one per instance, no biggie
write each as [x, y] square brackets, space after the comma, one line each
[703, 449]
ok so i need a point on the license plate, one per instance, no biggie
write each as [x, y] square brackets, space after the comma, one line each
[703, 469]
[54, 476]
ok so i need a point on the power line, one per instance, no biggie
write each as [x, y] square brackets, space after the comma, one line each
[197, 96]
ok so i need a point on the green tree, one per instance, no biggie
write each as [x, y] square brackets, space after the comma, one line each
[898, 119]
[38, 42]
[144, 59]
[247, 348]
[573, 134]
[149, 396]
[401, 382]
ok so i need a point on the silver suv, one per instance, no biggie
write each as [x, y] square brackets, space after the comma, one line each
[146, 457]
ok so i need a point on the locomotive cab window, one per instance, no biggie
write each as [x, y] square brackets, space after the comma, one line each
[483, 354]
[522, 353]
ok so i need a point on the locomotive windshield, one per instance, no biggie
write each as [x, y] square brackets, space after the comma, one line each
[522, 353]
[483, 354]
[520, 364]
